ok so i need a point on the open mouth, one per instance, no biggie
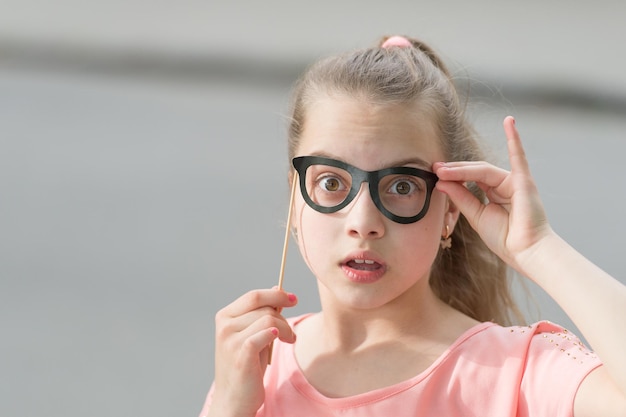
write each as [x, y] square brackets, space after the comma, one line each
[363, 264]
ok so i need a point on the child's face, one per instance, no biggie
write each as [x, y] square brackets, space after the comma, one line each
[339, 247]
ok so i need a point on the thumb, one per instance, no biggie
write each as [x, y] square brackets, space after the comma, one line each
[465, 201]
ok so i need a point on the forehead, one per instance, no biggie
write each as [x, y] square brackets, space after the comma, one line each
[368, 135]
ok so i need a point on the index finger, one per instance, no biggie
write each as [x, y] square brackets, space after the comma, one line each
[517, 155]
[255, 299]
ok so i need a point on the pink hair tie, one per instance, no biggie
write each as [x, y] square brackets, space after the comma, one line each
[399, 41]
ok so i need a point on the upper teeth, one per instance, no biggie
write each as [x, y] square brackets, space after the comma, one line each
[361, 261]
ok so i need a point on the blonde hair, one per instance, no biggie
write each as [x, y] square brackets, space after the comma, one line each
[468, 276]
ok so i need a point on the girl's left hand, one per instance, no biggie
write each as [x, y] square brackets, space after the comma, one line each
[513, 221]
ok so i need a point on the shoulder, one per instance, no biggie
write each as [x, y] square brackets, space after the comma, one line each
[541, 338]
[538, 347]
[549, 345]
[538, 367]
[556, 362]
[505, 341]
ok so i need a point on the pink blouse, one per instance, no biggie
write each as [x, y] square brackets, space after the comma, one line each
[489, 371]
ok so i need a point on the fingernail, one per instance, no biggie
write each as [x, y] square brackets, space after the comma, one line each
[292, 297]
[274, 331]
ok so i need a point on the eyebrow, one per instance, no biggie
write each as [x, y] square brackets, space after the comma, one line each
[403, 162]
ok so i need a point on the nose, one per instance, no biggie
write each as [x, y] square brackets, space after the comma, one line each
[363, 219]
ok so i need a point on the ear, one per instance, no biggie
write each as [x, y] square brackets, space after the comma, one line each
[451, 216]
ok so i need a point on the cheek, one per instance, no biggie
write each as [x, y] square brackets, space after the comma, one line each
[416, 249]
[437, 210]
[425, 235]
[313, 228]
[314, 233]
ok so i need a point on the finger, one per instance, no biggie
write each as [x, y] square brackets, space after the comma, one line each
[517, 155]
[494, 196]
[256, 299]
[480, 172]
[274, 320]
[463, 199]
[255, 343]
[457, 163]
[251, 322]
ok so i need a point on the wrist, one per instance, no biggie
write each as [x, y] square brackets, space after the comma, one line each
[537, 261]
[225, 408]
[525, 260]
[216, 411]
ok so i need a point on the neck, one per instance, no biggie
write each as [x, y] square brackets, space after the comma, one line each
[417, 314]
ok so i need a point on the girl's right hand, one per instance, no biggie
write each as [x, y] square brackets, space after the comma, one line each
[244, 332]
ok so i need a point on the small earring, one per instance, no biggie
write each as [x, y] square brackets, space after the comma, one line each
[446, 241]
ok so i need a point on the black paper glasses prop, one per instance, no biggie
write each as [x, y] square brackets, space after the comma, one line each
[402, 194]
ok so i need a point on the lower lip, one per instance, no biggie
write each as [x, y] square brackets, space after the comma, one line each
[362, 276]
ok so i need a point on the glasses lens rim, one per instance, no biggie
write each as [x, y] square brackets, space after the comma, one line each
[302, 164]
[373, 178]
[391, 202]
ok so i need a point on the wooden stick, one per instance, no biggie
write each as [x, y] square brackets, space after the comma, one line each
[281, 275]
[283, 260]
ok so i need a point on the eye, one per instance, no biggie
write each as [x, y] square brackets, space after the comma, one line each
[330, 183]
[403, 186]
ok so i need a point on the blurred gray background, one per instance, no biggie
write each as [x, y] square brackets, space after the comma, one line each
[142, 169]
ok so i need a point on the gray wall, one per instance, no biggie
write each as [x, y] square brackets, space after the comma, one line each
[142, 168]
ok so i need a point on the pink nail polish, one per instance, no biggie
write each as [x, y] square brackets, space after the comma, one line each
[292, 297]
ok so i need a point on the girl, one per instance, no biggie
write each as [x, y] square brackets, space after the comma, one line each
[410, 254]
